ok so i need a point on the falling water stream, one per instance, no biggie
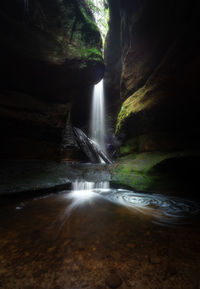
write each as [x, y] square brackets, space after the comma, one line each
[162, 209]
[97, 130]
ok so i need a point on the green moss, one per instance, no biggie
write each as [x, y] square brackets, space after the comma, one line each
[85, 54]
[89, 21]
[81, 39]
[140, 182]
[86, 41]
[130, 146]
[125, 150]
[91, 54]
[62, 32]
[138, 171]
[141, 100]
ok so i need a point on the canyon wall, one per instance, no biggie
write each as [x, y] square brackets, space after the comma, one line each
[159, 94]
[51, 55]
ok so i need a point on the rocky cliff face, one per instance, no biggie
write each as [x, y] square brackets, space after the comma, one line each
[112, 57]
[159, 76]
[160, 69]
[50, 57]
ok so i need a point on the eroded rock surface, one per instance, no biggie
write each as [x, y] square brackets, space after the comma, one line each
[50, 57]
[159, 76]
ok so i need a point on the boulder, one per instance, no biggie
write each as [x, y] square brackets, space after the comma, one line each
[49, 47]
[51, 56]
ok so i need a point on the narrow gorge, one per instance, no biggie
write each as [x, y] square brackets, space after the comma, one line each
[99, 110]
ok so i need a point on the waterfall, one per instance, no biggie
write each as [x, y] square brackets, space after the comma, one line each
[80, 185]
[98, 116]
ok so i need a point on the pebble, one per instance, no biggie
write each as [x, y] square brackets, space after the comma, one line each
[154, 260]
[66, 243]
[51, 249]
[132, 246]
[113, 281]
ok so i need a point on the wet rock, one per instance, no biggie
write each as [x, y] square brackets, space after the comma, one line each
[113, 280]
[155, 89]
[38, 58]
[150, 89]
[55, 55]
[165, 171]
[89, 148]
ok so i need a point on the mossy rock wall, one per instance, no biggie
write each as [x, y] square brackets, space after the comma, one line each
[51, 56]
[159, 44]
[50, 45]
[161, 172]
[158, 108]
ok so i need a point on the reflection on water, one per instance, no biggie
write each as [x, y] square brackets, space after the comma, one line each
[84, 192]
[162, 209]
[89, 236]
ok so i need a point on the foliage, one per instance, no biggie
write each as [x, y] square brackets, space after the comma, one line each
[83, 40]
[100, 11]
[88, 20]
[91, 54]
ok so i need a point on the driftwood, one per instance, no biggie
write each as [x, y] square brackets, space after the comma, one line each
[90, 148]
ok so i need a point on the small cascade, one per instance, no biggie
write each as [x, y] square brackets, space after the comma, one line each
[97, 131]
[80, 185]
[84, 192]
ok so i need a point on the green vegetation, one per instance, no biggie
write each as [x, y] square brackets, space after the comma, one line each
[142, 99]
[85, 54]
[130, 146]
[144, 171]
[91, 54]
[100, 10]
[83, 40]
[88, 20]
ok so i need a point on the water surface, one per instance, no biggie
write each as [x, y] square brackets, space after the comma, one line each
[86, 237]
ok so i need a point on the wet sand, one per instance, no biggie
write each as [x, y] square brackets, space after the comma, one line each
[47, 244]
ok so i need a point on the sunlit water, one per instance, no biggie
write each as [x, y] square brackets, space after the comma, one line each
[97, 132]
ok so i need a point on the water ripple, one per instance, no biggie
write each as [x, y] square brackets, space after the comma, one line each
[163, 209]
